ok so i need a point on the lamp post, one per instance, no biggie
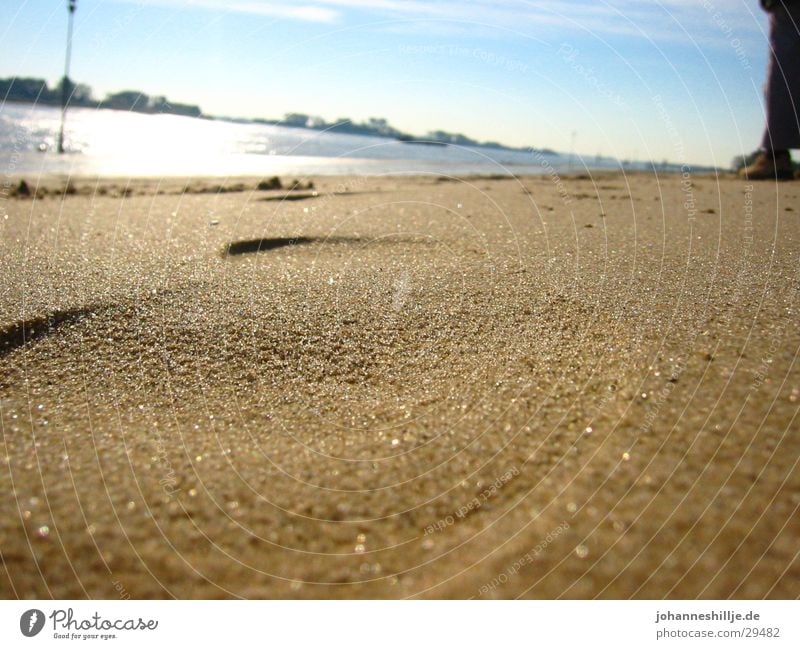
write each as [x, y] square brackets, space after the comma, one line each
[65, 81]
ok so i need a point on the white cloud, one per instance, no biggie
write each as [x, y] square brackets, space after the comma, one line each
[310, 12]
[704, 22]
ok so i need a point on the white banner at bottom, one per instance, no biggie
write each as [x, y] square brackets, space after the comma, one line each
[389, 624]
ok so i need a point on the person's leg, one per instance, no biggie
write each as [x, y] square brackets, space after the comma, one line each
[782, 131]
[782, 98]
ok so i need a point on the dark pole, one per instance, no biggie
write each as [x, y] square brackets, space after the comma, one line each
[65, 81]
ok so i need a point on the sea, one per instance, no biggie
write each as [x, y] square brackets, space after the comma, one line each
[113, 143]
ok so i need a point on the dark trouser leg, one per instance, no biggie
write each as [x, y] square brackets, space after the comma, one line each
[783, 82]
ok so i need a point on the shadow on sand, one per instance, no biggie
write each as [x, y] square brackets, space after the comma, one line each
[26, 331]
[291, 196]
[262, 245]
[249, 246]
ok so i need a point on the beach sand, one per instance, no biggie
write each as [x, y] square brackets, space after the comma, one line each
[400, 387]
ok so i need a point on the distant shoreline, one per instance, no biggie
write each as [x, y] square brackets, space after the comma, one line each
[348, 128]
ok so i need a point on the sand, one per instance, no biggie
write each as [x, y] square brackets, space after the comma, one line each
[400, 387]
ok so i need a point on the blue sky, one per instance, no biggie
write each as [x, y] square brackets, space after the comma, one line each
[668, 79]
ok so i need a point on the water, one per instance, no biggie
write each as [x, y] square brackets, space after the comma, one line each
[124, 144]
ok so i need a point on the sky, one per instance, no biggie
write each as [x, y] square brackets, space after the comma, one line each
[676, 80]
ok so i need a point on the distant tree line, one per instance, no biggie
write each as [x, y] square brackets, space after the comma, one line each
[36, 91]
[376, 126]
[379, 127]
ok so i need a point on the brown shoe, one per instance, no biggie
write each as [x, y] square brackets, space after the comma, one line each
[769, 165]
